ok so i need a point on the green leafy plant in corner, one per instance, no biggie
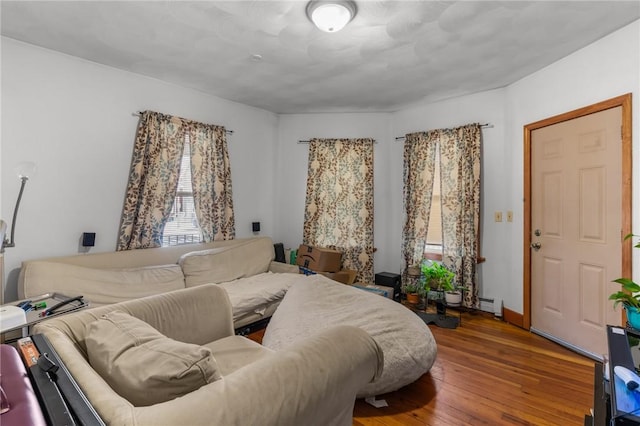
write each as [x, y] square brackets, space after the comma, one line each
[629, 295]
[436, 276]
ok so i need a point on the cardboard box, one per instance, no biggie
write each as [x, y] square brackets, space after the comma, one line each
[376, 289]
[344, 276]
[319, 259]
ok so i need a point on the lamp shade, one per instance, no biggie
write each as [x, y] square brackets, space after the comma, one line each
[331, 16]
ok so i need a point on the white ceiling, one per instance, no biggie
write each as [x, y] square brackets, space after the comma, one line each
[392, 54]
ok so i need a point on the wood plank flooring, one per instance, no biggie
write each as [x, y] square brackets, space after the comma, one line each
[488, 372]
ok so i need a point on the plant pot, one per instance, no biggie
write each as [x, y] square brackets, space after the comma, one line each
[453, 298]
[413, 298]
[633, 316]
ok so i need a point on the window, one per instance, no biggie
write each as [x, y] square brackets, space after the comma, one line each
[433, 247]
[182, 226]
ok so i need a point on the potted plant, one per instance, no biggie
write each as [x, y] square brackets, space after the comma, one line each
[411, 290]
[440, 279]
[628, 296]
[454, 297]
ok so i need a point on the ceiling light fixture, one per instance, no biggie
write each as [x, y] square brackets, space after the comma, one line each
[331, 15]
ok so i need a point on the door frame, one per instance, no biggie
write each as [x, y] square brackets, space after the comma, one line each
[623, 101]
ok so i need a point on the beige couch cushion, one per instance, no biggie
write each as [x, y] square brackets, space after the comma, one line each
[224, 264]
[101, 286]
[235, 352]
[144, 366]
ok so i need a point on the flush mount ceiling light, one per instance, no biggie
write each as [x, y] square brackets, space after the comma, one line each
[331, 15]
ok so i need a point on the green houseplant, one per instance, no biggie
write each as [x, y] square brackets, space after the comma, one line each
[437, 277]
[628, 296]
[411, 290]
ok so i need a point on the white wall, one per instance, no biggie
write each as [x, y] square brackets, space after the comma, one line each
[73, 118]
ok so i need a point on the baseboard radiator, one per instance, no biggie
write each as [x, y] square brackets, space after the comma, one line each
[491, 305]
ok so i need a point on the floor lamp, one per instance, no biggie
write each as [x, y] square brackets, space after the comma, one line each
[23, 170]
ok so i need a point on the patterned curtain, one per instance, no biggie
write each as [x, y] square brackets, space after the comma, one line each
[419, 166]
[211, 181]
[460, 180]
[339, 202]
[153, 180]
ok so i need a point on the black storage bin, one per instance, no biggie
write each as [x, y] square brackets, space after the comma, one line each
[389, 279]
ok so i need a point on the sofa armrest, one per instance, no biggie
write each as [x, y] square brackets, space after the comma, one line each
[314, 382]
[197, 315]
[280, 268]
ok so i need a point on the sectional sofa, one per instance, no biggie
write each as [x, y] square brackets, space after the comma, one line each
[173, 359]
[244, 267]
[258, 289]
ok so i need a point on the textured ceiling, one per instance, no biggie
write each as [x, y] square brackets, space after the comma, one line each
[392, 54]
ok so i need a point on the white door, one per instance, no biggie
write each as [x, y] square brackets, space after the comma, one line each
[576, 186]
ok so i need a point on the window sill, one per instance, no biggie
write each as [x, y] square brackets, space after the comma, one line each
[438, 257]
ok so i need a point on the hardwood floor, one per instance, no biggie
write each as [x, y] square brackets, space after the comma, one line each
[488, 372]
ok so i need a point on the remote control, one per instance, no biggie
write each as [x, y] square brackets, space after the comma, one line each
[630, 378]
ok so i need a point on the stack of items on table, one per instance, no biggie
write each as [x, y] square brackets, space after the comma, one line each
[328, 262]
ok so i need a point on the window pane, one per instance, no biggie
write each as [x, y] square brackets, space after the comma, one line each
[434, 234]
[182, 226]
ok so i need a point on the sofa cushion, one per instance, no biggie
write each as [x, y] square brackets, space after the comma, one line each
[101, 286]
[234, 352]
[320, 303]
[254, 294]
[141, 364]
[224, 264]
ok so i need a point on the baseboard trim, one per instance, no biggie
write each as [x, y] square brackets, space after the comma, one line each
[513, 317]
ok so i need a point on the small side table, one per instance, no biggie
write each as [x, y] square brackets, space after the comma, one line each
[34, 316]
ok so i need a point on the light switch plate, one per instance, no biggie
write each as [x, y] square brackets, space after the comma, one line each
[498, 216]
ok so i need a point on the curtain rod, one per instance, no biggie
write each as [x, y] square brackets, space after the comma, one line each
[485, 126]
[307, 141]
[138, 114]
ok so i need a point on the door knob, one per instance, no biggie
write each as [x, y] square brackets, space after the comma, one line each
[536, 246]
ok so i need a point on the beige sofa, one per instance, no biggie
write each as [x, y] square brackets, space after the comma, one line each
[244, 267]
[313, 382]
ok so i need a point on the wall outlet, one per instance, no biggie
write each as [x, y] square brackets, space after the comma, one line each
[509, 216]
[498, 216]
